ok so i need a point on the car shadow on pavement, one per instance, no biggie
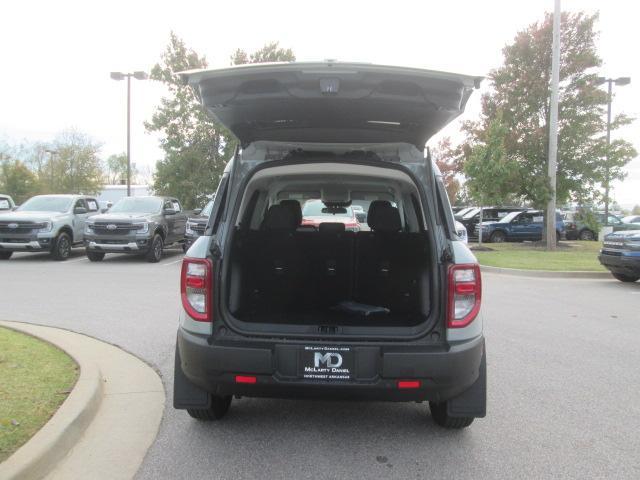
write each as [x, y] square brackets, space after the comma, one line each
[44, 256]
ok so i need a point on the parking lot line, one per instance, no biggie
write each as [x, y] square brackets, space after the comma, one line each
[170, 263]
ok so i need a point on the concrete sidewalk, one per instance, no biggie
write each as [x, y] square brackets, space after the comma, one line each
[105, 426]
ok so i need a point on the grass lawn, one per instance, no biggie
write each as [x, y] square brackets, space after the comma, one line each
[35, 378]
[571, 256]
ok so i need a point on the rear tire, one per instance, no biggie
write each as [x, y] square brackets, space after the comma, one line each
[497, 237]
[95, 256]
[625, 278]
[155, 252]
[219, 408]
[586, 235]
[61, 247]
[442, 418]
[5, 255]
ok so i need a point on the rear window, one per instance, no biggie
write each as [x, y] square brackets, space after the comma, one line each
[316, 208]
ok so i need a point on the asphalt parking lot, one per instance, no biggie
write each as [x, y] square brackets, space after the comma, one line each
[564, 380]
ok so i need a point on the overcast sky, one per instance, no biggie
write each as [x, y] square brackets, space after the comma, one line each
[56, 55]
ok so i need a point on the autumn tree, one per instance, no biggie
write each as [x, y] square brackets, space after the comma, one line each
[449, 161]
[520, 94]
[16, 179]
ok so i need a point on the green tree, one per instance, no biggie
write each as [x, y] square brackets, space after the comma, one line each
[16, 179]
[196, 147]
[271, 52]
[520, 94]
[116, 169]
[75, 167]
[493, 175]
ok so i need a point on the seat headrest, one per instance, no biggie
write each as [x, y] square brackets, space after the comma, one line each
[383, 217]
[294, 205]
[331, 227]
[279, 217]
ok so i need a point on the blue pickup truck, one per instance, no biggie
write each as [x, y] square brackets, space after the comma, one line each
[519, 226]
[621, 255]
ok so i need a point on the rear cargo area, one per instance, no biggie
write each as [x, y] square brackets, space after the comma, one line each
[285, 274]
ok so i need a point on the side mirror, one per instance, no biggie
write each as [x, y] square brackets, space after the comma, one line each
[104, 210]
[169, 211]
[197, 211]
[79, 210]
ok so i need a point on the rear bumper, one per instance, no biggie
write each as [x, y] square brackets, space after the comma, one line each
[443, 373]
[625, 263]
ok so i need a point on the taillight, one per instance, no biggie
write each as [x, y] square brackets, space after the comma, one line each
[465, 294]
[196, 288]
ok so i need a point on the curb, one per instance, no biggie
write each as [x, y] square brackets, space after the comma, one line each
[544, 273]
[107, 423]
[53, 441]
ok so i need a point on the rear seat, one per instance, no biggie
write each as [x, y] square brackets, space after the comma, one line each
[388, 261]
[289, 270]
[330, 267]
[275, 264]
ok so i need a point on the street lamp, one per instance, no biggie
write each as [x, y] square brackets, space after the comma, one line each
[620, 81]
[51, 155]
[121, 76]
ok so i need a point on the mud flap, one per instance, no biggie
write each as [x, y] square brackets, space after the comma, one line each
[473, 401]
[186, 394]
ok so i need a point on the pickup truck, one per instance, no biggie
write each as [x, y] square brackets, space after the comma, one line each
[46, 223]
[196, 224]
[6, 203]
[136, 225]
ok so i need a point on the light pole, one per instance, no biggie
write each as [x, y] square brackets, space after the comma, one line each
[121, 76]
[620, 81]
[51, 153]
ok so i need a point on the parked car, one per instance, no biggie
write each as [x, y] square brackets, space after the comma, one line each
[462, 212]
[518, 227]
[361, 215]
[457, 209]
[461, 231]
[577, 229]
[631, 219]
[196, 224]
[270, 309]
[315, 212]
[489, 214]
[136, 225]
[46, 223]
[621, 255]
[6, 203]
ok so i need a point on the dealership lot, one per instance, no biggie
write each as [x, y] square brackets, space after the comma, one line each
[563, 383]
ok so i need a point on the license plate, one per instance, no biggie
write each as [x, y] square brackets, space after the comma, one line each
[327, 363]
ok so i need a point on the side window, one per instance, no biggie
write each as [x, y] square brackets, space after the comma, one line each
[167, 205]
[176, 205]
[538, 218]
[93, 205]
[80, 204]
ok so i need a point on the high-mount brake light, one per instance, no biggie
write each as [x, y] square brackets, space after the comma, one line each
[196, 288]
[465, 294]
